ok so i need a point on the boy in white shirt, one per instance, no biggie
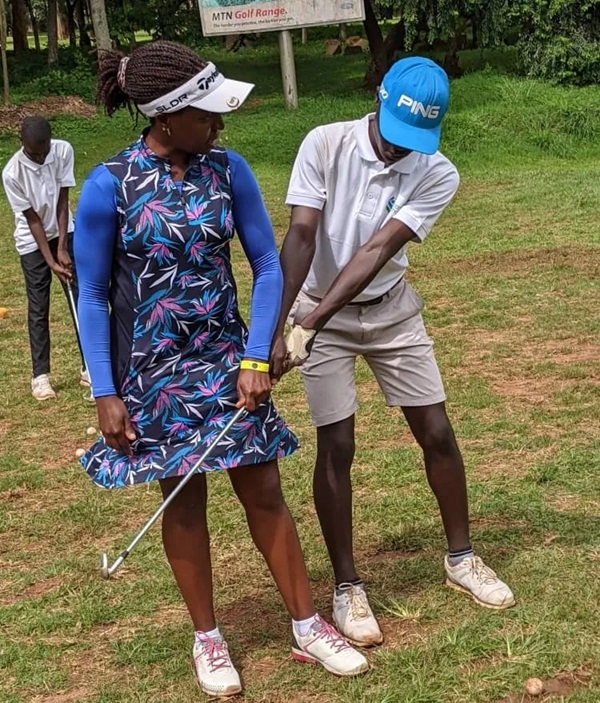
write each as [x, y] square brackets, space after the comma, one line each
[360, 192]
[37, 181]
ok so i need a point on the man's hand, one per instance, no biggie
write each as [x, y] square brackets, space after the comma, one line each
[115, 424]
[63, 273]
[253, 388]
[64, 260]
[278, 361]
[299, 343]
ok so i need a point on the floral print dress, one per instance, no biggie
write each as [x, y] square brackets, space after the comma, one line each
[176, 336]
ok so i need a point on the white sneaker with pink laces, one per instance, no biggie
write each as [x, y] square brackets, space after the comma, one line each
[324, 645]
[216, 674]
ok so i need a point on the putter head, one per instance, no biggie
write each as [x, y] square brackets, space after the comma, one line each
[104, 567]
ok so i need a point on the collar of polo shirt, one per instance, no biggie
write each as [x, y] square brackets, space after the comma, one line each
[26, 161]
[366, 151]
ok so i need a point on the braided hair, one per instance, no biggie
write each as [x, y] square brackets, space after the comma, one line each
[152, 70]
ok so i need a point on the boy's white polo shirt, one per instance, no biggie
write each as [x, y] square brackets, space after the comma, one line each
[337, 171]
[37, 186]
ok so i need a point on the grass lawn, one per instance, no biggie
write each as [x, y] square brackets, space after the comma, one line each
[510, 277]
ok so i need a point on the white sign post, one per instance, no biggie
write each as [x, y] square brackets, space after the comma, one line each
[241, 16]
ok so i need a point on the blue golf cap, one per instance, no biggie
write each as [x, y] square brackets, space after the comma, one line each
[414, 97]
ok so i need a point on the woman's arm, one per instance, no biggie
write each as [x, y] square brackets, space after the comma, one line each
[258, 239]
[95, 234]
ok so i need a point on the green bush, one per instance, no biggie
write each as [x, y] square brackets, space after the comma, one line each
[30, 77]
[560, 41]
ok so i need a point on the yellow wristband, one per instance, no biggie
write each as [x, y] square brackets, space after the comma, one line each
[248, 365]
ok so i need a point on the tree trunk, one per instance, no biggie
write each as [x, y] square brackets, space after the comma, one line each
[62, 25]
[34, 25]
[3, 32]
[52, 32]
[19, 26]
[343, 34]
[100, 22]
[382, 51]
[374, 35]
[84, 37]
[71, 26]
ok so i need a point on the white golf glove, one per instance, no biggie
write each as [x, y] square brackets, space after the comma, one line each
[299, 344]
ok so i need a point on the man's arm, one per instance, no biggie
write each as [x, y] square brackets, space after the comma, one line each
[62, 217]
[413, 222]
[296, 257]
[366, 263]
[39, 234]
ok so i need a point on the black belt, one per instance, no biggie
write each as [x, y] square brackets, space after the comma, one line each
[373, 301]
[376, 301]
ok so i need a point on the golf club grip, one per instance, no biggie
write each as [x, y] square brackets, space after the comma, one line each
[238, 415]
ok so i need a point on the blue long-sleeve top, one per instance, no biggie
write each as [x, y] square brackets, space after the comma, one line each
[96, 229]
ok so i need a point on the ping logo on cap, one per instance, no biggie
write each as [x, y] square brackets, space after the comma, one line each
[432, 112]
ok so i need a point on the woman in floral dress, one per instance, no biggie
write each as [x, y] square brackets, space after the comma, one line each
[169, 355]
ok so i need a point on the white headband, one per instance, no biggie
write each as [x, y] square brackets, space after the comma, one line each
[208, 90]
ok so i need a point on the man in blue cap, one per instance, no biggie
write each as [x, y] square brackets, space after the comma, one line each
[360, 192]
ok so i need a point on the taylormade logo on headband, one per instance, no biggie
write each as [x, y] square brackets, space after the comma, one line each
[204, 82]
[201, 85]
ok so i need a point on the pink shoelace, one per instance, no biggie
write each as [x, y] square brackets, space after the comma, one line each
[216, 652]
[324, 631]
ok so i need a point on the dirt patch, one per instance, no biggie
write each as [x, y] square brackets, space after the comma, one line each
[534, 391]
[12, 116]
[263, 668]
[566, 503]
[70, 697]
[384, 555]
[523, 261]
[400, 634]
[13, 493]
[256, 619]
[127, 628]
[39, 589]
[298, 697]
[480, 664]
[482, 523]
[559, 687]
[517, 368]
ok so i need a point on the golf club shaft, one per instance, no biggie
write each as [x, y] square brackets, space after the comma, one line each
[238, 415]
[73, 306]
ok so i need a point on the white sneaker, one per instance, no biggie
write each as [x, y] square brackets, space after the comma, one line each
[84, 378]
[473, 577]
[216, 674]
[353, 617]
[41, 388]
[324, 645]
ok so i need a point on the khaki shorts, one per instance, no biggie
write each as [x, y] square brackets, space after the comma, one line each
[390, 336]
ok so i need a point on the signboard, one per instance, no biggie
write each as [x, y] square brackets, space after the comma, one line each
[244, 16]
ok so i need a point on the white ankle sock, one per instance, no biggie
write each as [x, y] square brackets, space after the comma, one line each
[212, 634]
[302, 627]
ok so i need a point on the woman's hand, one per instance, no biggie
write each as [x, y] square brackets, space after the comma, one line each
[253, 388]
[115, 424]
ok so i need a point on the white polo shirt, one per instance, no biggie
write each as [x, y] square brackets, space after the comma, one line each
[37, 186]
[337, 171]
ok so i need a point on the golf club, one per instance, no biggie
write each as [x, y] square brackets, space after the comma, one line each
[73, 307]
[106, 570]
